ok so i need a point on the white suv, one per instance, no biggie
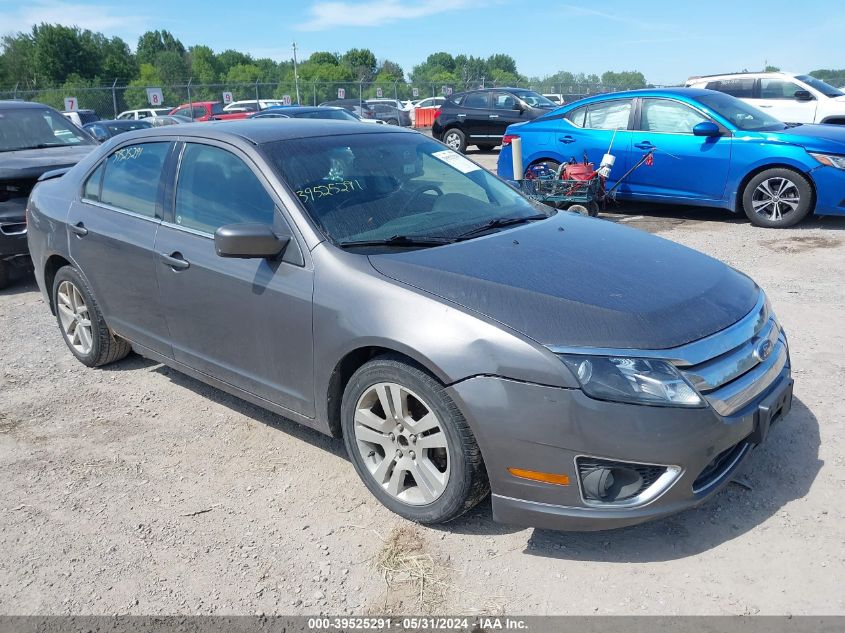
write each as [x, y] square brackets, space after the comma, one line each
[786, 96]
[143, 113]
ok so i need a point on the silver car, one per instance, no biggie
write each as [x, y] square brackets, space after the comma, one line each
[375, 285]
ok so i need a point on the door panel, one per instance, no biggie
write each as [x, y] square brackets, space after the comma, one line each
[246, 322]
[475, 115]
[685, 165]
[111, 234]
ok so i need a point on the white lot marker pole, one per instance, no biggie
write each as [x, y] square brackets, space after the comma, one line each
[516, 157]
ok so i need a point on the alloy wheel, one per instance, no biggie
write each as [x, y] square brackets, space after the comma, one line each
[74, 317]
[402, 443]
[776, 197]
[453, 141]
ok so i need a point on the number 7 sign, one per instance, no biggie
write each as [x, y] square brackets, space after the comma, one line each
[71, 104]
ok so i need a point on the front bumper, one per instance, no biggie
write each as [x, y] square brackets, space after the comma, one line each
[538, 428]
[830, 190]
[13, 228]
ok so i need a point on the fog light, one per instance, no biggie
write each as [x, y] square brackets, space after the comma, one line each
[611, 484]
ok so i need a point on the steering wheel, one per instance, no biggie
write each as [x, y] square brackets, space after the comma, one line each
[421, 191]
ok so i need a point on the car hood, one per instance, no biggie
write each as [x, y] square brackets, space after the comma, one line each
[582, 282]
[31, 163]
[829, 138]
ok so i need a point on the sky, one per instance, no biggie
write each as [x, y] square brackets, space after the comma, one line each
[667, 41]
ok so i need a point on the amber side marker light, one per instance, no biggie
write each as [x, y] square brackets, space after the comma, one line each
[549, 478]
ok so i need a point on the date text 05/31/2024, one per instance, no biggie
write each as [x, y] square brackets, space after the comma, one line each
[416, 624]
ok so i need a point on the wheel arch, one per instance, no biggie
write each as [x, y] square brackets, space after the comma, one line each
[737, 204]
[356, 358]
[51, 267]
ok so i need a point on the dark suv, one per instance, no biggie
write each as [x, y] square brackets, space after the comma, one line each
[480, 117]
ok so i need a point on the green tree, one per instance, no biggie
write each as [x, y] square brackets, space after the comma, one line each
[203, 65]
[624, 79]
[61, 51]
[229, 59]
[362, 63]
[151, 43]
[323, 57]
[243, 74]
[116, 60]
[171, 67]
[17, 59]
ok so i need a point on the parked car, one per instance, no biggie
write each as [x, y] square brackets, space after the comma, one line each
[361, 108]
[206, 111]
[390, 113]
[786, 96]
[169, 119]
[34, 139]
[480, 117]
[554, 97]
[305, 112]
[372, 284]
[712, 150]
[251, 105]
[104, 130]
[81, 117]
[144, 113]
[431, 102]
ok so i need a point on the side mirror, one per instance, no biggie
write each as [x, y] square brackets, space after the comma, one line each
[99, 134]
[706, 128]
[249, 241]
[519, 106]
[803, 95]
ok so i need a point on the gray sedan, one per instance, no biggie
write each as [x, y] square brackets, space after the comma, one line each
[375, 285]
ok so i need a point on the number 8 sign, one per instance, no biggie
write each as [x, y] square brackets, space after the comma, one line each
[154, 96]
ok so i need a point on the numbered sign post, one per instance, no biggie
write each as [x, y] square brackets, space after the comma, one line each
[341, 93]
[379, 93]
[71, 104]
[227, 98]
[286, 99]
[154, 96]
[415, 92]
[446, 91]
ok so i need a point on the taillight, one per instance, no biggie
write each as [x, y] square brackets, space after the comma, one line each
[437, 113]
[508, 138]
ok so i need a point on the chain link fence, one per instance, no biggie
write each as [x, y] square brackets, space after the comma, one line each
[109, 101]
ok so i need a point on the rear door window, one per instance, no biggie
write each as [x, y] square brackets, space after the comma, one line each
[216, 188]
[608, 115]
[478, 100]
[741, 88]
[576, 117]
[132, 177]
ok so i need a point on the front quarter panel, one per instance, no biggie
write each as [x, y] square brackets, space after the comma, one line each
[356, 307]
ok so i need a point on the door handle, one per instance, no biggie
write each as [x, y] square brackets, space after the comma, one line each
[175, 261]
[79, 229]
[764, 106]
[461, 114]
[494, 116]
[566, 139]
[644, 145]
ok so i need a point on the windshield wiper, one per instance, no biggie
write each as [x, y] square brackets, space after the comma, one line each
[39, 146]
[399, 240]
[502, 222]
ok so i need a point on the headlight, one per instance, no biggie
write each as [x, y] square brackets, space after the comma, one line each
[636, 380]
[830, 160]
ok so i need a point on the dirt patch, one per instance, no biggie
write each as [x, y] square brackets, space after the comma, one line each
[801, 243]
[416, 582]
[7, 425]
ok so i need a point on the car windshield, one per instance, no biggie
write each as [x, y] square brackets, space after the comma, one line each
[826, 89]
[534, 99]
[37, 128]
[341, 115]
[373, 187]
[740, 114]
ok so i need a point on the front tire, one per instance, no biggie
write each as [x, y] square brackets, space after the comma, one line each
[777, 198]
[81, 323]
[455, 140]
[409, 442]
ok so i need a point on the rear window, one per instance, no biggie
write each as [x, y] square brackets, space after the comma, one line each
[740, 88]
[477, 100]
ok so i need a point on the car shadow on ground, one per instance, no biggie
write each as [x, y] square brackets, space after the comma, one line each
[780, 471]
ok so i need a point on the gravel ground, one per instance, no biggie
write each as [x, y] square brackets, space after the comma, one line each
[134, 489]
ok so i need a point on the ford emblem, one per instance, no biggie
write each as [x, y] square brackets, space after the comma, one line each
[763, 350]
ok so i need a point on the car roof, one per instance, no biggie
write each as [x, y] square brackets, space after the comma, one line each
[295, 109]
[760, 73]
[14, 104]
[260, 131]
[644, 92]
[118, 122]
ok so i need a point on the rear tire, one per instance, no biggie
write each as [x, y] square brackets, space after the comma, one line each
[777, 198]
[392, 122]
[81, 323]
[416, 453]
[455, 140]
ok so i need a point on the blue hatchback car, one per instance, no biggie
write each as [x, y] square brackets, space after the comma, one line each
[711, 149]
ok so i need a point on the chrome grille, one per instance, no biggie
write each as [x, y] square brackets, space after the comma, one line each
[736, 376]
